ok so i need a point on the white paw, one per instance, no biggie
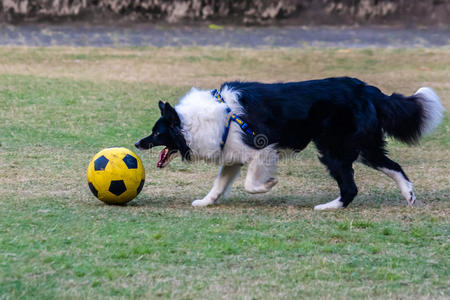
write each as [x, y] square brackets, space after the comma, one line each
[335, 204]
[412, 198]
[269, 184]
[407, 189]
[201, 203]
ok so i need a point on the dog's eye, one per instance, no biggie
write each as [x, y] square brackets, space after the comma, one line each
[156, 133]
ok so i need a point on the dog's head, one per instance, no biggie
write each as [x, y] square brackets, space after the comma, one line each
[166, 132]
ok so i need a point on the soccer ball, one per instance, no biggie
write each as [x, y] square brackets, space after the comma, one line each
[115, 175]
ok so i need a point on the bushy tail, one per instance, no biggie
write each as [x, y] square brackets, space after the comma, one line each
[409, 118]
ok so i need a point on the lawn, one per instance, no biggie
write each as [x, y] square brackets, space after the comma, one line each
[59, 106]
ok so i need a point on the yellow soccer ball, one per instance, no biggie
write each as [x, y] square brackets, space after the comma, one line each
[115, 175]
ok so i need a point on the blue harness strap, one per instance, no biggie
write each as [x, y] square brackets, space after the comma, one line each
[231, 117]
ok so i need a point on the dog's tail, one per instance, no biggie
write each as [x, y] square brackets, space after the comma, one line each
[409, 118]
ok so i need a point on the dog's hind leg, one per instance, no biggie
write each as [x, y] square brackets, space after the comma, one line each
[222, 185]
[261, 171]
[379, 161]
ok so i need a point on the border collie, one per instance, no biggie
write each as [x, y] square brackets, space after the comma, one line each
[252, 123]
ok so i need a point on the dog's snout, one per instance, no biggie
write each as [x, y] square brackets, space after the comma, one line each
[144, 144]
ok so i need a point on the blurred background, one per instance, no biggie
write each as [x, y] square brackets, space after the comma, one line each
[396, 23]
[250, 12]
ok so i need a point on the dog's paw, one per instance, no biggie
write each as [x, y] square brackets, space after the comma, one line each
[269, 184]
[407, 189]
[264, 188]
[412, 198]
[335, 204]
[201, 203]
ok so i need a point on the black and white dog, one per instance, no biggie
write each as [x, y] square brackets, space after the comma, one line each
[251, 122]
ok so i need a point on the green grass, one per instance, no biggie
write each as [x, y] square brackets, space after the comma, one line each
[58, 241]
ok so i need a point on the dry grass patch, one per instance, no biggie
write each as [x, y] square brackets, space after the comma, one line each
[210, 66]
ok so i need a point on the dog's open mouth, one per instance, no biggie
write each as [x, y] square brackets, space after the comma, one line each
[165, 156]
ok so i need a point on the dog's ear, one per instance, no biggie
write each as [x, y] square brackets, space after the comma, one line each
[161, 107]
[170, 114]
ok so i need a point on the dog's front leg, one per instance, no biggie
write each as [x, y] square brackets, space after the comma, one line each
[222, 184]
[260, 173]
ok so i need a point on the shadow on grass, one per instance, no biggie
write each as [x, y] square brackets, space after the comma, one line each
[289, 200]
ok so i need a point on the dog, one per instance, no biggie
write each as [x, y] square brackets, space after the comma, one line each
[252, 123]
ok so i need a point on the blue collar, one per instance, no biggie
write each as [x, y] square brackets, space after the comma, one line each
[231, 117]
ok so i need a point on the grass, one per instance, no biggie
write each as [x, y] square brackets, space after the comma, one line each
[59, 106]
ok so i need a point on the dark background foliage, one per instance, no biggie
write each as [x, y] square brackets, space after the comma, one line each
[298, 12]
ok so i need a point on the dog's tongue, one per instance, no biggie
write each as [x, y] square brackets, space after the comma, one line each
[162, 158]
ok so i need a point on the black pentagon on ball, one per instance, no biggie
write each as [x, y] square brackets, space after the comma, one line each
[130, 161]
[93, 189]
[117, 187]
[100, 163]
[141, 185]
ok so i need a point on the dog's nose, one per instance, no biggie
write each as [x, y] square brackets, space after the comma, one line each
[137, 145]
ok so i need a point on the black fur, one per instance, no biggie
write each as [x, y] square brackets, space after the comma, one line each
[166, 132]
[292, 114]
[344, 117]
